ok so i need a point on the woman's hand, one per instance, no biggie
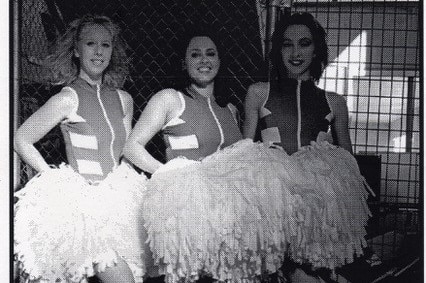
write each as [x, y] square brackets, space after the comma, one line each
[176, 163]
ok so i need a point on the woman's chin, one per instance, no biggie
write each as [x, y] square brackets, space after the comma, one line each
[202, 83]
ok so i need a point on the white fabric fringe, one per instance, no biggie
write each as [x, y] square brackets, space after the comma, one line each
[66, 228]
[332, 213]
[235, 214]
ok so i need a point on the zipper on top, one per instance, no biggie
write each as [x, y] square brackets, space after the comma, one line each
[299, 115]
[111, 146]
[222, 137]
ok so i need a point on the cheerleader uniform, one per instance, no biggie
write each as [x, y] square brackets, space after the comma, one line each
[215, 216]
[331, 210]
[71, 218]
[201, 128]
[295, 116]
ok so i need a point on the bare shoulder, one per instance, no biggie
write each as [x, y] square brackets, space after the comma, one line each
[168, 94]
[259, 88]
[65, 99]
[168, 98]
[258, 91]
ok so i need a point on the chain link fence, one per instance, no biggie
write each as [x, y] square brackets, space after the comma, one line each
[152, 30]
[374, 62]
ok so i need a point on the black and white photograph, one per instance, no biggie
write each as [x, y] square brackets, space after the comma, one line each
[214, 141]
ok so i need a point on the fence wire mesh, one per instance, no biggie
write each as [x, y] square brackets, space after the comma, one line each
[152, 29]
[374, 62]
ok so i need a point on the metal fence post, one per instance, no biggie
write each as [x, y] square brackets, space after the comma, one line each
[15, 85]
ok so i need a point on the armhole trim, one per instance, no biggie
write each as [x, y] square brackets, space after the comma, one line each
[176, 120]
[121, 96]
[330, 116]
[73, 116]
[263, 111]
[233, 110]
[267, 94]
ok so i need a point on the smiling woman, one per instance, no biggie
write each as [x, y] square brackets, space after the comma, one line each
[309, 127]
[81, 219]
[290, 110]
[192, 122]
[298, 51]
[94, 49]
[202, 61]
[206, 213]
[193, 125]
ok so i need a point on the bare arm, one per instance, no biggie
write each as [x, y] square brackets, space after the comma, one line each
[256, 95]
[340, 126]
[157, 113]
[55, 110]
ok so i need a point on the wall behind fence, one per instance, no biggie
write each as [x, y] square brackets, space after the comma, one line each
[374, 62]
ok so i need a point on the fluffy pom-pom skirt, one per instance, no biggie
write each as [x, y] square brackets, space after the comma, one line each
[67, 228]
[237, 212]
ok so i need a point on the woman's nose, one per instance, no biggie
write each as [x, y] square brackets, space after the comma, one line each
[204, 58]
[295, 51]
[98, 50]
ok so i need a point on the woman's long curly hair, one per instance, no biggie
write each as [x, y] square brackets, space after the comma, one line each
[319, 62]
[64, 67]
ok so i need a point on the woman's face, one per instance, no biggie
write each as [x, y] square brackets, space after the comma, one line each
[202, 60]
[94, 49]
[298, 51]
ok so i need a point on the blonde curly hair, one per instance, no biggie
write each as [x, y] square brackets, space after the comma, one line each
[64, 67]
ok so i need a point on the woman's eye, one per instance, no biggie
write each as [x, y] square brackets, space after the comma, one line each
[286, 44]
[106, 45]
[305, 42]
[211, 53]
[195, 54]
[90, 43]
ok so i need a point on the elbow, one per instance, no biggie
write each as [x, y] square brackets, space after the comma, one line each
[19, 143]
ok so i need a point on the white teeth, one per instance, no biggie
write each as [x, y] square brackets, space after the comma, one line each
[204, 69]
[97, 62]
[296, 62]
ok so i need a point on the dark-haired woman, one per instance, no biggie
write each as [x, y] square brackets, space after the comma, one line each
[309, 126]
[204, 211]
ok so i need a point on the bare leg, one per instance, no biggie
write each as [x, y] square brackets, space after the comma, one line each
[119, 273]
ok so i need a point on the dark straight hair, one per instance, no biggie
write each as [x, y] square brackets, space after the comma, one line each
[319, 62]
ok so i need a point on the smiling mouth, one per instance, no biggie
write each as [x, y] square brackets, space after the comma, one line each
[97, 62]
[204, 69]
[296, 63]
